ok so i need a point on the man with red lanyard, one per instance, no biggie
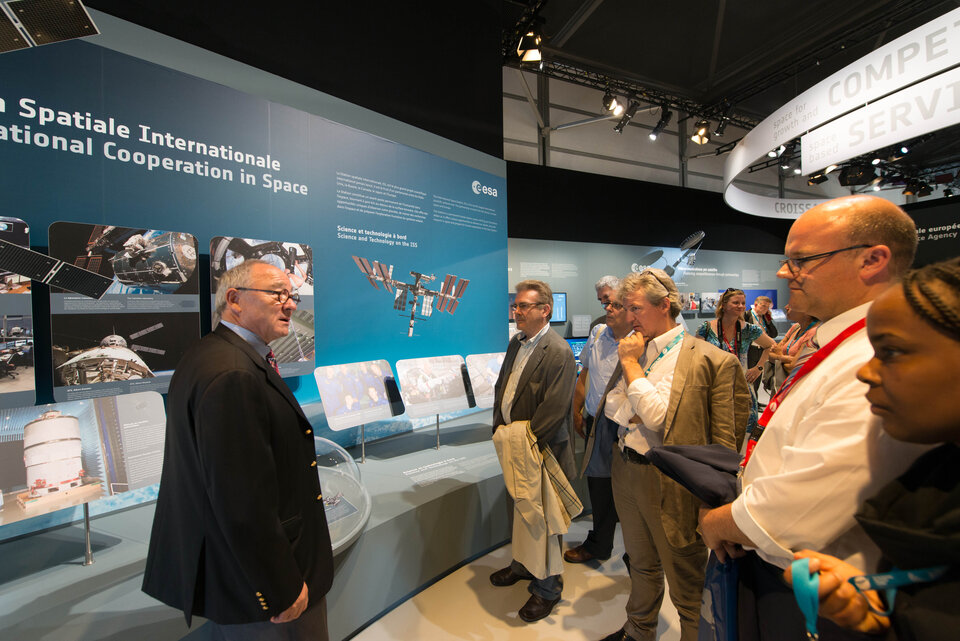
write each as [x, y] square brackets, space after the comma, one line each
[818, 451]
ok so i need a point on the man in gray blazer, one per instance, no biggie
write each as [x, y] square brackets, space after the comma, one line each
[536, 384]
[670, 389]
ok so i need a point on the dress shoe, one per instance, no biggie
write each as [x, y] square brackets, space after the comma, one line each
[580, 554]
[506, 576]
[619, 635]
[537, 608]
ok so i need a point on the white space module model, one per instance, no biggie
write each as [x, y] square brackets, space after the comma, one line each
[447, 299]
[51, 454]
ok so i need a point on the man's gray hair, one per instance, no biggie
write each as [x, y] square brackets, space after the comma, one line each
[655, 285]
[607, 281]
[238, 276]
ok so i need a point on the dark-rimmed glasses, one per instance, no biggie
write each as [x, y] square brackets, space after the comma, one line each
[795, 264]
[524, 306]
[611, 303]
[282, 295]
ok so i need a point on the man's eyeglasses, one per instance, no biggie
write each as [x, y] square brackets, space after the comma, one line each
[795, 264]
[282, 295]
[612, 304]
[524, 306]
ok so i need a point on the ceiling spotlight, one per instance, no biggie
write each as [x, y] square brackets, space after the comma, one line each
[611, 104]
[627, 116]
[817, 178]
[948, 193]
[925, 190]
[773, 153]
[830, 168]
[701, 133]
[911, 188]
[721, 127]
[528, 49]
[875, 162]
[665, 116]
[856, 175]
[904, 150]
[797, 170]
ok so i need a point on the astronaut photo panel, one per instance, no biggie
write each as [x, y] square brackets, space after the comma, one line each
[433, 385]
[356, 393]
[130, 339]
[295, 351]
[484, 370]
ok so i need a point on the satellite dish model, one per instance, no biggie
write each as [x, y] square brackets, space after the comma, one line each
[689, 247]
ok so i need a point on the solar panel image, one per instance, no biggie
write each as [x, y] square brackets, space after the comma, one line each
[10, 37]
[48, 21]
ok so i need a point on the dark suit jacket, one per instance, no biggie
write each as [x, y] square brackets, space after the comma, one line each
[709, 403]
[544, 395]
[240, 522]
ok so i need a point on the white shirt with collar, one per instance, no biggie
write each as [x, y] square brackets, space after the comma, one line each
[646, 397]
[822, 454]
[527, 346]
[599, 358]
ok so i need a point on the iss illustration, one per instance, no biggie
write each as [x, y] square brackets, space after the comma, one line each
[158, 260]
[447, 299]
[112, 360]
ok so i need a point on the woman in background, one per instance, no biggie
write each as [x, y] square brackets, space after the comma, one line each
[915, 520]
[732, 334]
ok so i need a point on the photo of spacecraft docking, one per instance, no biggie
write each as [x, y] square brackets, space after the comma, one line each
[93, 348]
[447, 299]
[142, 261]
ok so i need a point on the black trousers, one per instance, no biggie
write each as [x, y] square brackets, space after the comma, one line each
[599, 541]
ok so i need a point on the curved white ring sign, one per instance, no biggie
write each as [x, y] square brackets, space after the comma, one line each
[922, 53]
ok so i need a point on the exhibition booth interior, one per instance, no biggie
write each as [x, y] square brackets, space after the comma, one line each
[149, 167]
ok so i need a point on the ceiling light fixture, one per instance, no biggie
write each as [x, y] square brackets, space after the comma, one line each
[701, 133]
[528, 50]
[627, 116]
[665, 116]
[817, 178]
[773, 153]
[830, 168]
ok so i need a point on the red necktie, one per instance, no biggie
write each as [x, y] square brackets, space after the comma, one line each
[272, 359]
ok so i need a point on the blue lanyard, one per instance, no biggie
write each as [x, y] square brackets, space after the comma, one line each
[806, 587]
[890, 581]
[663, 352]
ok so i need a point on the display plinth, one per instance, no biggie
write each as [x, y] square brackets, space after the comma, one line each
[432, 510]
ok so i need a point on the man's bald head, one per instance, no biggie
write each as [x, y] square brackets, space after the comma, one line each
[868, 220]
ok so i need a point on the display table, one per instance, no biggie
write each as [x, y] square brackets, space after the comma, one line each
[431, 511]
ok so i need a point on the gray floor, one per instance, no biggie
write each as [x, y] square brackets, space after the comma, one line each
[464, 605]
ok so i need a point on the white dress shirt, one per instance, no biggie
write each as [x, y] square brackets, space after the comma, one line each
[527, 346]
[822, 454]
[646, 397]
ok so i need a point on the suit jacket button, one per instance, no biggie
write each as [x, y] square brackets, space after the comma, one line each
[259, 593]
[313, 463]
[264, 608]
[309, 432]
[319, 497]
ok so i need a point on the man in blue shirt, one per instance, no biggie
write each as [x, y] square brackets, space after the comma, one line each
[599, 359]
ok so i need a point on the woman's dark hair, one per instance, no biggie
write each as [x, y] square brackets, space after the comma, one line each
[933, 291]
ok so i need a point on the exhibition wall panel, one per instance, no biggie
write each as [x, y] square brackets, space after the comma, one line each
[574, 268]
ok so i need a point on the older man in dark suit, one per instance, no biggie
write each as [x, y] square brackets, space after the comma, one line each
[536, 384]
[239, 534]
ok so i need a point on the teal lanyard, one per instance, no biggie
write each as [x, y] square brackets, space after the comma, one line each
[890, 581]
[806, 587]
[663, 352]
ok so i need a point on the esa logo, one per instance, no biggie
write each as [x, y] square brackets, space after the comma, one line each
[483, 189]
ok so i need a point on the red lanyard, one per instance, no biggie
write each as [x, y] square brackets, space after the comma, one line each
[808, 366]
[735, 348]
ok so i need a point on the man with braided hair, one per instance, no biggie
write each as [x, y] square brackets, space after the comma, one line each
[817, 452]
